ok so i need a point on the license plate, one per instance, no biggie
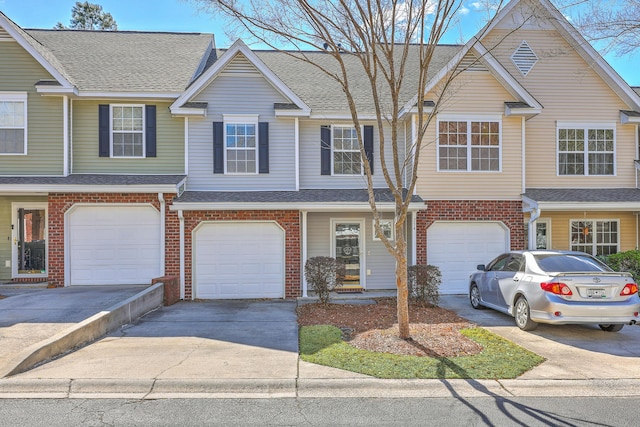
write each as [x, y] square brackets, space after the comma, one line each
[596, 293]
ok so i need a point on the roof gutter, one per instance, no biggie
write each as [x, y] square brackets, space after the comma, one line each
[306, 206]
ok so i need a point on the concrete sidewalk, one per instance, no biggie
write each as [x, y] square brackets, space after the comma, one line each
[249, 349]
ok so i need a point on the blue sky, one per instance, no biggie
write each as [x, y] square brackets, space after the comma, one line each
[183, 16]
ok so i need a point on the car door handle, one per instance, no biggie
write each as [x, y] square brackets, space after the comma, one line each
[516, 279]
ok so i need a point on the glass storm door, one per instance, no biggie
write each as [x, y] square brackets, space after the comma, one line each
[29, 240]
[348, 249]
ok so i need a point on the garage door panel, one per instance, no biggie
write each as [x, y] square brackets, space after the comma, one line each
[239, 260]
[114, 245]
[458, 247]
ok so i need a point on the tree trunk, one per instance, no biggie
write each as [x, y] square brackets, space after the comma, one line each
[403, 291]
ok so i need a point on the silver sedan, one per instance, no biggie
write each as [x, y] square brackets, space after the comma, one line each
[557, 287]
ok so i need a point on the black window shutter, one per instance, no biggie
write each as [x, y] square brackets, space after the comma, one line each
[150, 130]
[263, 147]
[325, 150]
[103, 131]
[218, 147]
[368, 145]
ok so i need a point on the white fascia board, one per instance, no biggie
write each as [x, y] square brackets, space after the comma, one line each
[531, 111]
[69, 188]
[309, 207]
[56, 90]
[238, 47]
[292, 113]
[168, 96]
[190, 112]
[589, 206]
[9, 28]
[342, 116]
[627, 119]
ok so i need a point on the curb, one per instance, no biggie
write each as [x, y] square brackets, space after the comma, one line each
[88, 330]
[312, 388]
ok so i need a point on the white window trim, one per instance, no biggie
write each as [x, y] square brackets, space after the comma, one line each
[241, 119]
[144, 131]
[351, 126]
[586, 126]
[594, 221]
[18, 97]
[468, 118]
[383, 221]
[547, 222]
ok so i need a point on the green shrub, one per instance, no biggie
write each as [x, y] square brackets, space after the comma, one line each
[324, 274]
[424, 282]
[625, 261]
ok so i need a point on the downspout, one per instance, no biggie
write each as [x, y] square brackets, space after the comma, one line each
[303, 224]
[414, 237]
[524, 163]
[296, 133]
[163, 205]
[181, 219]
[534, 209]
[186, 145]
[65, 135]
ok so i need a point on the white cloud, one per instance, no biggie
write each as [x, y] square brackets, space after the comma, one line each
[464, 10]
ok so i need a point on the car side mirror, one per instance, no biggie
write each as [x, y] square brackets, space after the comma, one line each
[480, 267]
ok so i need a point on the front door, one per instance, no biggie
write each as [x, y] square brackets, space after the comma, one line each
[29, 240]
[348, 248]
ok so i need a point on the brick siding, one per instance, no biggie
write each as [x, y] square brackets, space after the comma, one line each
[289, 220]
[506, 211]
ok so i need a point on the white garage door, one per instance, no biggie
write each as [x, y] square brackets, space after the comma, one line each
[458, 247]
[113, 245]
[238, 260]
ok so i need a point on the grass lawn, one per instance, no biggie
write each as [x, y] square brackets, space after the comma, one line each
[500, 358]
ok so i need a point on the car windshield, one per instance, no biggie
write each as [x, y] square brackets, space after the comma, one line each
[565, 262]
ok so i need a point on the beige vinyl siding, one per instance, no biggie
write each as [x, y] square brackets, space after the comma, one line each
[169, 142]
[310, 176]
[570, 91]
[5, 225]
[474, 94]
[240, 89]
[561, 227]
[19, 72]
[378, 260]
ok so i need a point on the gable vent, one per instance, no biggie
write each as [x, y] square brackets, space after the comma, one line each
[524, 58]
[240, 65]
[471, 63]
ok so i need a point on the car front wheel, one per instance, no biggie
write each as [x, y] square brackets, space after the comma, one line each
[474, 297]
[522, 316]
[611, 328]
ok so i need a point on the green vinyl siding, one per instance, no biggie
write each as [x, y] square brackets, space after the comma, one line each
[19, 72]
[169, 142]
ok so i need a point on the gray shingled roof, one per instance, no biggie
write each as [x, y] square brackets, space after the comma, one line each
[583, 195]
[126, 61]
[302, 196]
[93, 179]
[636, 89]
[324, 95]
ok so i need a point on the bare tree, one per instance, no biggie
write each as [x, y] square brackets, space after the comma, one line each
[616, 23]
[387, 46]
[89, 16]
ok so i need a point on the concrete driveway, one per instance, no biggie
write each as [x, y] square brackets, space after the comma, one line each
[572, 351]
[254, 340]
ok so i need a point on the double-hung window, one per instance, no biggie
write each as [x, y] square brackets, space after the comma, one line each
[346, 151]
[127, 131]
[241, 144]
[13, 123]
[469, 145]
[586, 149]
[595, 237]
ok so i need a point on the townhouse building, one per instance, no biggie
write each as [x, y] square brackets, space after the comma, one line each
[125, 156]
